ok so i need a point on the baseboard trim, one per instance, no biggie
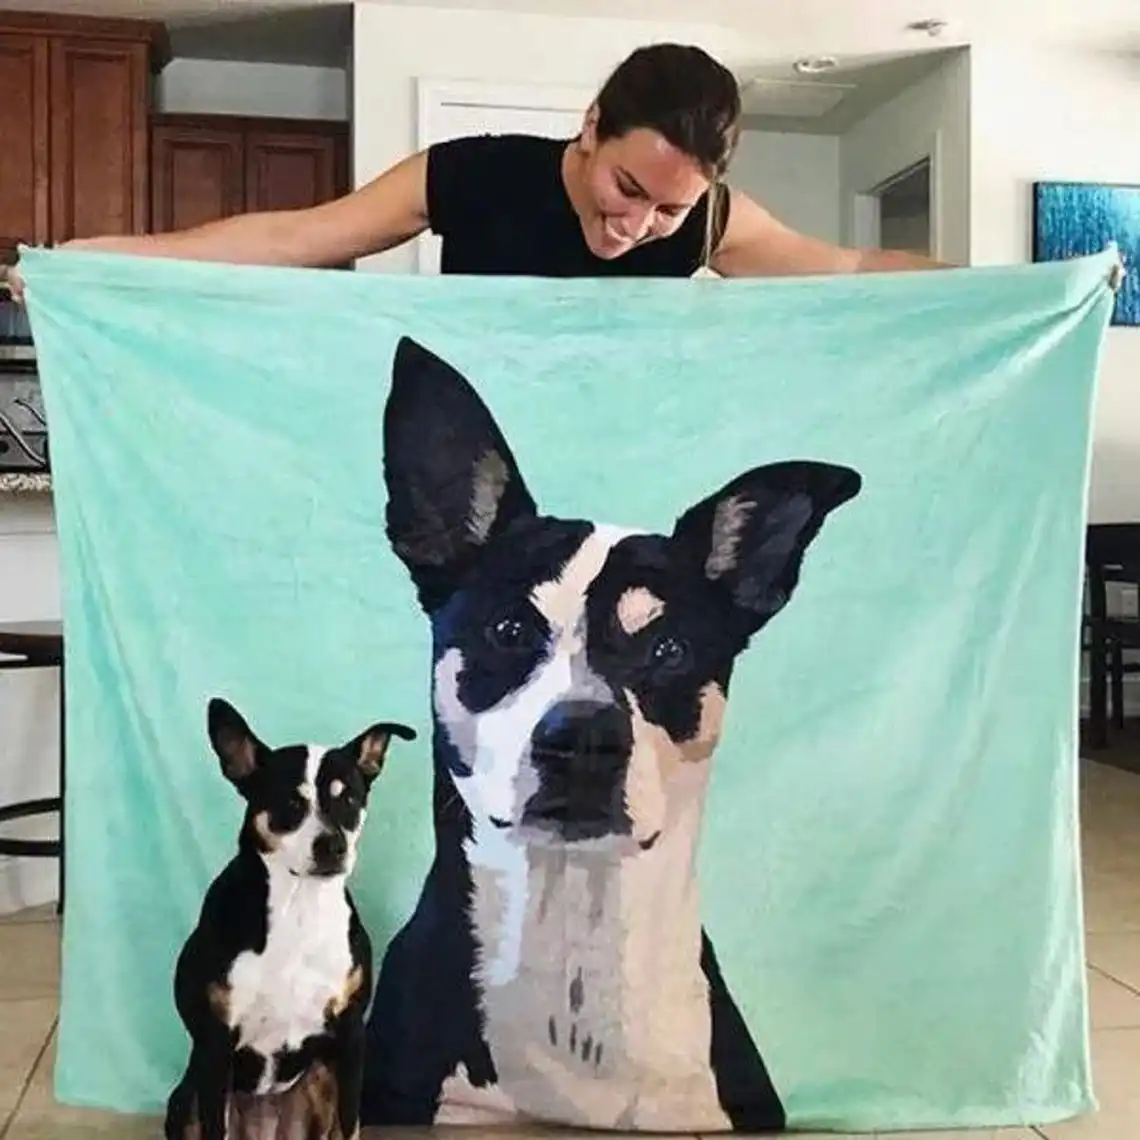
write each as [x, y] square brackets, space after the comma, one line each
[27, 883]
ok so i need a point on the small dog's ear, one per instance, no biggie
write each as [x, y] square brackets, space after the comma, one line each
[238, 749]
[371, 746]
[750, 537]
[452, 481]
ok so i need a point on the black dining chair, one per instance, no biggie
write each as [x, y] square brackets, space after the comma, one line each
[1112, 556]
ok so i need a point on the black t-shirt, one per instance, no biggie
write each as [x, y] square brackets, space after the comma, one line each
[499, 204]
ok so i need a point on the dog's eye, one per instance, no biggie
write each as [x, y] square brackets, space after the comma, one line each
[511, 632]
[669, 653]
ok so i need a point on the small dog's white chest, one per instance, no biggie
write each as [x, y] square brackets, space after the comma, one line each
[281, 996]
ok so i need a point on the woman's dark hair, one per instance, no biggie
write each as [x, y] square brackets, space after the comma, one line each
[680, 92]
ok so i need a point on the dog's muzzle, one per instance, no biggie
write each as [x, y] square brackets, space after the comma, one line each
[329, 851]
[580, 752]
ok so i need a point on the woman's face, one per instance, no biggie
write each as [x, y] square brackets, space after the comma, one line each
[636, 188]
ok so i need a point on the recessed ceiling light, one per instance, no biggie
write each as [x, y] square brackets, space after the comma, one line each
[815, 64]
[932, 26]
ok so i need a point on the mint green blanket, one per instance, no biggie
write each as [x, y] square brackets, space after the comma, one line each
[887, 867]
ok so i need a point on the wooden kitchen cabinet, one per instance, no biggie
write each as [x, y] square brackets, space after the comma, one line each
[289, 170]
[197, 175]
[207, 167]
[24, 134]
[74, 101]
[99, 161]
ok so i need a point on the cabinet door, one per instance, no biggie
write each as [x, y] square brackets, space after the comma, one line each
[290, 170]
[24, 178]
[197, 176]
[99, 146]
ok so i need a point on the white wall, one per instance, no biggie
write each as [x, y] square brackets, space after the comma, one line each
[900, 133]
[218, 87]
[794, 176]
[29, 700]
[396, 45]
[1062, 115]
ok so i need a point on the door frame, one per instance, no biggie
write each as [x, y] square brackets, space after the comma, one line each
[434, 96]
[865, 201]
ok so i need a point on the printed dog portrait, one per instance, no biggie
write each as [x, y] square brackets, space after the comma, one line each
[555, 968]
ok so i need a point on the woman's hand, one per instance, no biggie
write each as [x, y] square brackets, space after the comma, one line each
[10, 274]
[10, 277]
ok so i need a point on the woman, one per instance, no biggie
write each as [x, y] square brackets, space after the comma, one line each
[638, 193]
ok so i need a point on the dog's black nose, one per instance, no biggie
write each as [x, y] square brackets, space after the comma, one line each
[580, 752]
[329, 848]
[583, 734]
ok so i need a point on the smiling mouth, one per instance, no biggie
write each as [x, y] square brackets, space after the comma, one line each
[501, 824]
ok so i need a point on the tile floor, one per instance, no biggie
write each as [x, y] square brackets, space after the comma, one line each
[29, 986]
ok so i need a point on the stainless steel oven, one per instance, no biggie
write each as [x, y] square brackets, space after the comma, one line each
[23, 423]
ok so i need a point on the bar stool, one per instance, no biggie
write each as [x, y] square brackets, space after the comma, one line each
[36, 645]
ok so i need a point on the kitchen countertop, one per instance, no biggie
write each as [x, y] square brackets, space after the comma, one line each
[32, 483]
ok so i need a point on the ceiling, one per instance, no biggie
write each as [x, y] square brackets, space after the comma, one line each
[776, 98]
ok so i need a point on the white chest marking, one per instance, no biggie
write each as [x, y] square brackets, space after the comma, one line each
[604, 1022]
[278, 998]
[505, 862]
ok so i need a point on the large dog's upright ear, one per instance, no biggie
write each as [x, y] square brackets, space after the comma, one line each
[750, 537]
[237, 747]
[452, 481]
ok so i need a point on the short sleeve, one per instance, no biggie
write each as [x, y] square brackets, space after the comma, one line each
[460, 175]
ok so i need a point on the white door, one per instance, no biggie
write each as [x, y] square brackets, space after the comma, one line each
[453, 110]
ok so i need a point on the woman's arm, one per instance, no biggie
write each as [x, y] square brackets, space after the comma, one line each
[388, 211]
[755, 244]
